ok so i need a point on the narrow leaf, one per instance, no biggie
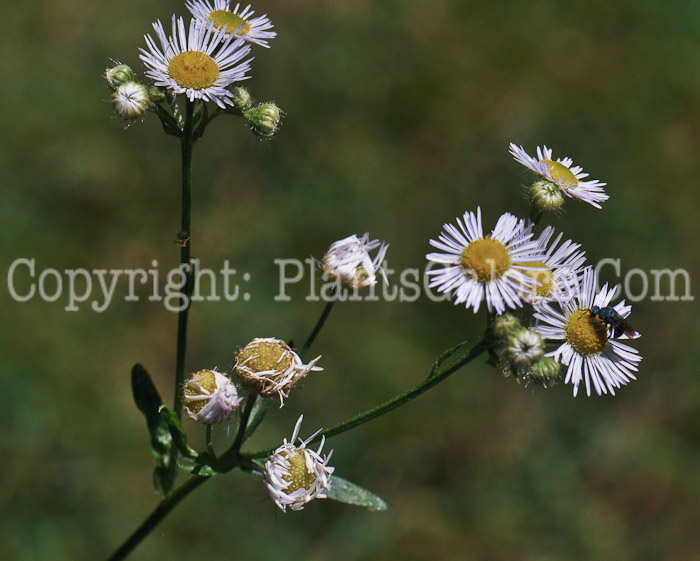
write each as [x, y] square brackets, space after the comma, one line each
[443, 357]
[199, 469]
[344, 491]
[148, 401]
[176, 431]
[256, 416]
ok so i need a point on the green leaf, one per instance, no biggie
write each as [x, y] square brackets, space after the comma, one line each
[344, 491]
[256, 416]
[199, 469]
[148, 401]
[443, 357]
[176, 431]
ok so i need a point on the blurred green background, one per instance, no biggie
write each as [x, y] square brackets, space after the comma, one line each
[398, 118]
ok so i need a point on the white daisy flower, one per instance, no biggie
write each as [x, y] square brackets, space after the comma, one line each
[587, 349]
[200, 63]
[210, 397]
[130, 100]
[479, 266]
[560, 171]
[270, 368]
[237, 21]
[349, 260]
[558, 272]
[295, 475]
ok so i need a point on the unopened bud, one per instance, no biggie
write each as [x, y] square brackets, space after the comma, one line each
[264, 119]
[118, 75]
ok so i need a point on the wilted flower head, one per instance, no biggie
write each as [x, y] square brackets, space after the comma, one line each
[210, 397]
[270, 368]
[295, 475]
[349, 260]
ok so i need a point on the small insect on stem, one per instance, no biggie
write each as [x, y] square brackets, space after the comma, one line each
[615, 322]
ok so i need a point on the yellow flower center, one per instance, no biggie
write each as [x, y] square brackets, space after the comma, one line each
[486, 259]
[542, 275]
[193, 69]
[559, 171]
[221, 18]
[266, 355]
[203, 380]
[299, 477]
[586, 333]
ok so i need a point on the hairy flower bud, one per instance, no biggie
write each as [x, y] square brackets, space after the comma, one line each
[118, 75]
[264, 119]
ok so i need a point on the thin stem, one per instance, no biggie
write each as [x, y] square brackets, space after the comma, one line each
[160, 512]
[185, 245]
[243, 424]
[395, 402]
[210, 447]
[319, 325]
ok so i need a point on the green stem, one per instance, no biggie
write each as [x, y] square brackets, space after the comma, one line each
[395, 402]
[184, 241]
[210, 447]
[160, 512]
[319, 325]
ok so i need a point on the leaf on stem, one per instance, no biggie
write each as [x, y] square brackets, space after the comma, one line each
[176, 431]
[344, 491]
[443, 357]
[148, 401]
[256, 416]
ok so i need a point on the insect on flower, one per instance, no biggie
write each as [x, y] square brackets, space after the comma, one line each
[615, 322]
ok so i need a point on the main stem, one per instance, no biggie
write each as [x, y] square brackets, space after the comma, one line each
[185, 244]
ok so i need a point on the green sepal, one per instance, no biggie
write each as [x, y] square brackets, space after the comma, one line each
[148, 401]
[176, 431]
[344, 491]
[257, 415]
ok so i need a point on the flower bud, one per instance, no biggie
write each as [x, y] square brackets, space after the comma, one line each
[210, 397]
[505, 325]
[270, 368]
[130, 100]
[523, 348]
[264, 119]
[156, 95]
[118, 75]
[544, 372]
[242, 99]
[546, 196]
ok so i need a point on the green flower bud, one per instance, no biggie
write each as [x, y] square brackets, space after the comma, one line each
[242, 99]
[264, 119]
[505, 325]
[546, 196]
[118, 75]
[155, 94]
[544, 372]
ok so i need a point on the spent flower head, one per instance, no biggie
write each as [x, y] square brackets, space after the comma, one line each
[492, 267]
[236, 20]
[561, 173]
[349, 260]
[587, 348]
[295, 475]
[200, 62]
[269, 367]
[210, 397]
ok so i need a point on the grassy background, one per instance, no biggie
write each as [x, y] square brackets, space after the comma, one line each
[398, 119]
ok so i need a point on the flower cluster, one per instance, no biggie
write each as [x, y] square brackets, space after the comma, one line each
[510, 267]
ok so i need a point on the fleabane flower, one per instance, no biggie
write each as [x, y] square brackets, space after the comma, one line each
[295, 475]
[130, 100]
[557, 274]
[350, 261]
[587, 348]
[269, 367]
[560, 172]
[200, 62]
[237, 21]
[492, 267]
[210, 397]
